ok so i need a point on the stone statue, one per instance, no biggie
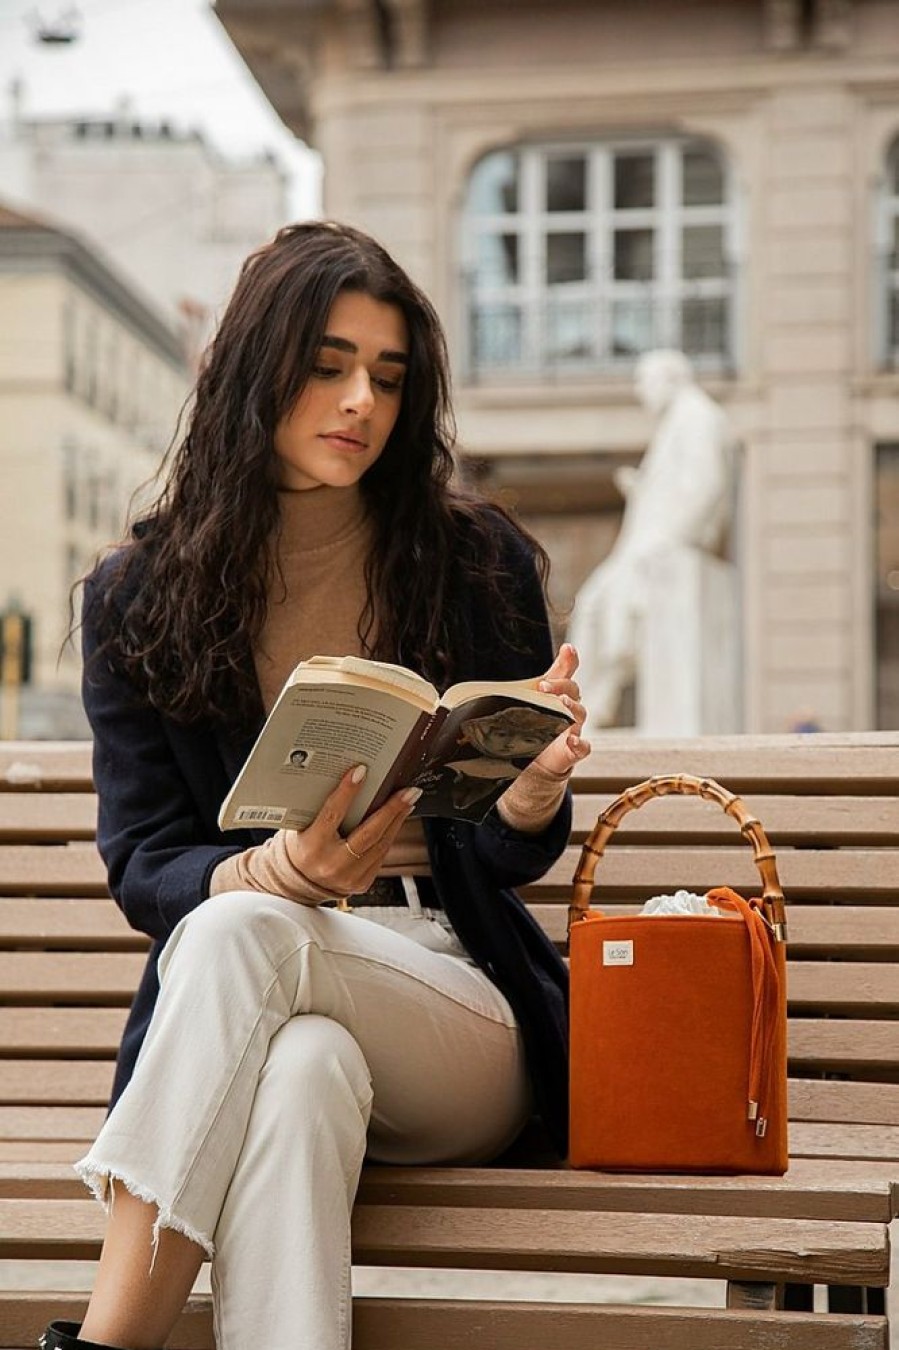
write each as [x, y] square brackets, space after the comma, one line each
[680, 496]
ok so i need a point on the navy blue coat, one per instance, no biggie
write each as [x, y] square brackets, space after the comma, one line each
[161, 784]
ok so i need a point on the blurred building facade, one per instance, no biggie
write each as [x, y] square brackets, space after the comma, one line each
[173, 216]
[577, 182]
[91, 383]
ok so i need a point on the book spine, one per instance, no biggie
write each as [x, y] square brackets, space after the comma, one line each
[409, 761]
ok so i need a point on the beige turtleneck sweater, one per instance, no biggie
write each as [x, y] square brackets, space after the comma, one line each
[321, 549]
[324, 541]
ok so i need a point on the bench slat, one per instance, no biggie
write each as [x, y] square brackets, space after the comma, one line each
[843, 759]
[50, 1082]
[34, 817]
[46, 1082]
[851, 1190]
[838, 1045]
[616, 1243]
[111, 977]
[61, 1032]
[98, 977]
[625, 872]
[842, 986]
[814, 1043]
[603, 1243]
[79, 922]
[45, 766]
[812, 1189]
[457, 1324]
[807, 1139]
[51, 869]
[841, 821]
[47, 869]
[41, 1150]
[846, 764]
[533, 1326]
[829, 1100]
[810, 1139]
[51, 1122]
[853, 930]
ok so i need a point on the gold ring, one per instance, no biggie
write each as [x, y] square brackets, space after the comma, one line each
[352, 852]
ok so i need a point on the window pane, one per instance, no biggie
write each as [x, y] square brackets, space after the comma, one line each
[496, 335]
[633, 328]
[566, 184]
[633, 255]
[703, 251]
[703, 179]
[704, 326]
[886, 516]
[566, 258]
[568, 332]
[498, 259]
[493, 187]
[894, 171]
[634, 181]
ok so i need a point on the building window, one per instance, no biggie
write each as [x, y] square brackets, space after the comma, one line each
[68, 345]
[91, 373]
[886, 594]
[889, 259]
[111, 376]
[578, 258]
[70, 478]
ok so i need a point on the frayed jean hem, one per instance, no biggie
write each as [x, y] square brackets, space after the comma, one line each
[100, 1180]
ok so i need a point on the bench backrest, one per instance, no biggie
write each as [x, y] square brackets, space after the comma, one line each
[830, 805]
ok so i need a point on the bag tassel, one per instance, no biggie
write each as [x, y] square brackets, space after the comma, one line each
[765, 989]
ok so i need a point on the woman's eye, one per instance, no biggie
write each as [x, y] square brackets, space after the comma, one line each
[325, 372]
[388, 384]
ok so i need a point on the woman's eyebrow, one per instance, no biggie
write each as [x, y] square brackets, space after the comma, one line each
[344, 345]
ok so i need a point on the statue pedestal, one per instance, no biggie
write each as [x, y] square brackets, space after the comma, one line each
[689, 654]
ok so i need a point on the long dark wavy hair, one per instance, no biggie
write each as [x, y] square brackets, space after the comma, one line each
[183, 602]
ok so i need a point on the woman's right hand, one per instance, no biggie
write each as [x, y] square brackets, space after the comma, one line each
[347, 865]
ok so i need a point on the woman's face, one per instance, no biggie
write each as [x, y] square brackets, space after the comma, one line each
[342, 419]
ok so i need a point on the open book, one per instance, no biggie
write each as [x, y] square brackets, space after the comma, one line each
[462, 750]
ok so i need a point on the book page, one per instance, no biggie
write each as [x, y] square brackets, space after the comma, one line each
[479, 748]
[367, 674]
[527, 690]
[314, 734]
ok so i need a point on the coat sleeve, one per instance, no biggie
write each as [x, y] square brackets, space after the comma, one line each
[150, 832]
[513, 857]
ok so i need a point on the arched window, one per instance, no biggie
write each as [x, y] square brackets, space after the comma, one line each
[889, 259]
[578, 257]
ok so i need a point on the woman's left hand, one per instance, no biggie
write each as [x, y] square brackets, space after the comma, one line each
[569, 748]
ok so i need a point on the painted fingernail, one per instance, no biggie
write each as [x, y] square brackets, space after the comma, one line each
[358, 773]
[411, 795]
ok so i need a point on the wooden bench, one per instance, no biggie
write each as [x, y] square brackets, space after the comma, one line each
[69, 963]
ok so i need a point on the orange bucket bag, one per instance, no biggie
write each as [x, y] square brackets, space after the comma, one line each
[678, 1022]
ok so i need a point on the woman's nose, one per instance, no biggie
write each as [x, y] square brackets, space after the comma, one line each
[358, 396]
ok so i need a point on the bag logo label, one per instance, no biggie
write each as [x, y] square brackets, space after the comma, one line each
[618, 953]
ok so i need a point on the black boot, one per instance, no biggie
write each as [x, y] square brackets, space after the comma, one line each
[64, 1336]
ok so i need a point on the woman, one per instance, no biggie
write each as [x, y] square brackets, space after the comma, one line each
[308, 511]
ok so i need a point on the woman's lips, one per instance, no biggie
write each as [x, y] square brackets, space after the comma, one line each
[343, 441]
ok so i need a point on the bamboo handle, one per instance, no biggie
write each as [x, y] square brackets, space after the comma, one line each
[684, 785]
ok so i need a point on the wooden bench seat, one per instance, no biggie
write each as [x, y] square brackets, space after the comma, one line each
[830, 804]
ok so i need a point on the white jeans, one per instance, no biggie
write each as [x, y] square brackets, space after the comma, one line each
[287, 1041]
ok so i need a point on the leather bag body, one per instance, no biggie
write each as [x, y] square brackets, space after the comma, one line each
[678, 1023]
